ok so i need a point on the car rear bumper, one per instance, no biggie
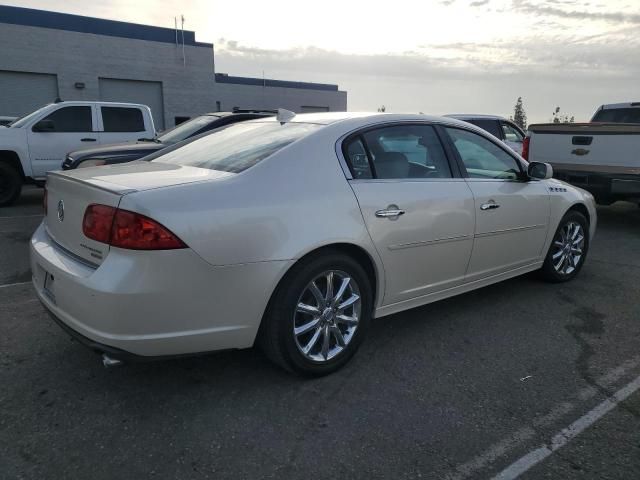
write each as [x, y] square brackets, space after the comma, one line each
[153, 304]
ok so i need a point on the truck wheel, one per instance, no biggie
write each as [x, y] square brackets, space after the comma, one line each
[10, 184]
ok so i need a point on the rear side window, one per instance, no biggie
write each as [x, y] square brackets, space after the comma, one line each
[397, 152]
[122, 119]
[357, 159]
[491, 126]
[71, 119]
[238, 146]
[618, 115]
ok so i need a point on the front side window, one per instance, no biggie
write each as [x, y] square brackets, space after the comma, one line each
[511, 134]
[238, 146]
[122, 119]
[482, 158]
[396, 152]
[70, 119]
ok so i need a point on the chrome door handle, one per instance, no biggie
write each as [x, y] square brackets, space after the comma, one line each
[489, 206]
[390, 213]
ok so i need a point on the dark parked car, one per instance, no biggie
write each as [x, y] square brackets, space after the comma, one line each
[499, 127]
[129, 151]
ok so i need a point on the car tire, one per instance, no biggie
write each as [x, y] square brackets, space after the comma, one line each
[284, 318]
[10, 184]
[568, 249]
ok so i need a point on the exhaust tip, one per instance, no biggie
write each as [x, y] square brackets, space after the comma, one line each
[110, 362]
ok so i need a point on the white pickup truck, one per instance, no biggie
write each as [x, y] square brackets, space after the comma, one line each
[38, 142]
[602, 157]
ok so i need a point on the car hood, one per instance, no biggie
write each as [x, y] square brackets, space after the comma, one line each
[117, 149]
[141, 175]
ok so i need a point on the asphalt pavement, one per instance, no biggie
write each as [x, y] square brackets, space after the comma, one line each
[521, 378]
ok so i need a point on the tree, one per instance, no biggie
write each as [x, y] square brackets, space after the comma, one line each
[557, 117]
[519, 115]
[382, 109]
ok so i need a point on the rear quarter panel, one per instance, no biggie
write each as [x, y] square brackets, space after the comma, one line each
[284, 207]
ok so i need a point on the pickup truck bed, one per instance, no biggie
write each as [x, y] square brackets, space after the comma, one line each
[602, 158]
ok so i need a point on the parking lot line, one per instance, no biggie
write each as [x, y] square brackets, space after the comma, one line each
[526, 433]
[536, 456]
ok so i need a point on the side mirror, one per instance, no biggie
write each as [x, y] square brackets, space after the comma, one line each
[541, 171]
[44, 126]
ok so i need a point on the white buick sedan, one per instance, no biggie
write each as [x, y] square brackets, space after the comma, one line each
[293, 233]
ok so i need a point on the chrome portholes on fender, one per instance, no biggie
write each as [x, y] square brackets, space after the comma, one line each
[326, 316]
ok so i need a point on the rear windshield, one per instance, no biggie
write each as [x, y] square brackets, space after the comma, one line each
[186, 129]
[618, 115]
[237, 147]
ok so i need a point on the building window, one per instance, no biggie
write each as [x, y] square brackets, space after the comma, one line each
[219, 106]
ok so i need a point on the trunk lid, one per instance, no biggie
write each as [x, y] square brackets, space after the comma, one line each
[69, 194]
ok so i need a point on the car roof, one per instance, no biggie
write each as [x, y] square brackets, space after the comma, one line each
[480, 116]
[327, 118]
[609, 106]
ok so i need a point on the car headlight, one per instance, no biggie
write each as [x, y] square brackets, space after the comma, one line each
[92, 163]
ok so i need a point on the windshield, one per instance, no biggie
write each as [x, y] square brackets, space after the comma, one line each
[239, 146]
[618, 115]
[20, 122]
[186, 129]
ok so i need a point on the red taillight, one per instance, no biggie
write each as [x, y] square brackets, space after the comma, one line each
[525, 147]
[134, 231]
[124, 229]
[44, 201]
[97, 222]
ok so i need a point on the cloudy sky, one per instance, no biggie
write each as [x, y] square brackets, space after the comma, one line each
[434, 56]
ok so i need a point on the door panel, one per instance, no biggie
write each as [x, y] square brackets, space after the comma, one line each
[73, 130]
[512, 219]
[512, 214]
[427, 248]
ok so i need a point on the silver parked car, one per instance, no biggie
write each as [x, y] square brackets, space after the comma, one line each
[293, 232]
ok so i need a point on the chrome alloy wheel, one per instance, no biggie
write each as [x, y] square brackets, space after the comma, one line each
[568, 248]
[327, 315]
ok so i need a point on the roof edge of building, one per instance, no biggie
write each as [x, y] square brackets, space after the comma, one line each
[269, 82]
[98, 26]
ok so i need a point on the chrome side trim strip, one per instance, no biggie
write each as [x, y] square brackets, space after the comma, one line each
[429, 242]
[508, 230]
[69, 253]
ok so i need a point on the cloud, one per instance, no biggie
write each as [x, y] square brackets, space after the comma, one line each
[478, 3]
[577, 74]
[551, 9]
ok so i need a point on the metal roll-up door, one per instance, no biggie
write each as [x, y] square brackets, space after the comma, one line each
[24, 92]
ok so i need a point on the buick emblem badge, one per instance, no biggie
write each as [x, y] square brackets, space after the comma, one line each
[61, 210]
